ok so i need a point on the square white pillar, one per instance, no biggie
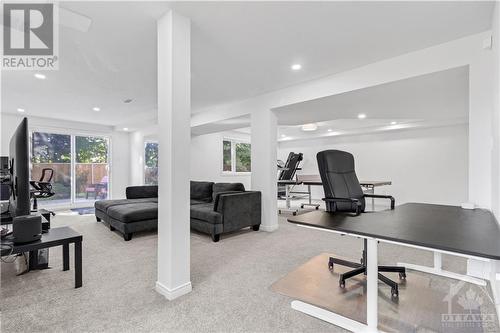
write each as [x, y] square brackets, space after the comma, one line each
[264, 170]
[174, 114]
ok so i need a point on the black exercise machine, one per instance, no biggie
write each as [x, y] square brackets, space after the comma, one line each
[287, 172]
[42, 189]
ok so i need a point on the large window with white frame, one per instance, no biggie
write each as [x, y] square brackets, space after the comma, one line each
[236, 156]
[80, 164]
[151, 163]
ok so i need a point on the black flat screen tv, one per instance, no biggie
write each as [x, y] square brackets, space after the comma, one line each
[19, 203]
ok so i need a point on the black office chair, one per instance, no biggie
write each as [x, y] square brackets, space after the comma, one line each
[287, 172]
[343, 193]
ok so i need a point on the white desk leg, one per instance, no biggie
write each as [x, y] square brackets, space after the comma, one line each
[287, 196]
[373, 199]
[372, 285]
[310, 195]
[371, 300]
[438, 261]
[438, 270]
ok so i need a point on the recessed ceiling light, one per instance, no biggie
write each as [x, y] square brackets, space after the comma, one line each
[361, 116]
[329, 130]
[125, 128]
[296, 67]
[96, 109]
[20, 110]
[393, 123]
[40, 76]
[283, 135]
[309, 127]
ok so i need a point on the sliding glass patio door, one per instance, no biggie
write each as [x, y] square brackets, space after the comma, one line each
[80, 164]
[91, 168]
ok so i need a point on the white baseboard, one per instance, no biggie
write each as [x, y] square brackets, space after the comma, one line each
[172, 294]
[268, 228]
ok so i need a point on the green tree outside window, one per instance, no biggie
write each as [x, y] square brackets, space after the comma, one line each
[243, 157]
[226, 156]
[90, 149]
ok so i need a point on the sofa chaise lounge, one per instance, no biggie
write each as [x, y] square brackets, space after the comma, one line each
[215, 208]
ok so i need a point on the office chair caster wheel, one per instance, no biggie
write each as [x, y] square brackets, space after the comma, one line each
[342, 284]
[294, 213]
[317, 208]
[402, 276]
[301, 206]
[330, 264]
[394, 292]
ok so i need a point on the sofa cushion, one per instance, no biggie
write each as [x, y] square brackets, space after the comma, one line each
[138, 192]
[103, 205]
[201, 191]
[197, 202]
[134, 212]
[205, 212]
[227, 187]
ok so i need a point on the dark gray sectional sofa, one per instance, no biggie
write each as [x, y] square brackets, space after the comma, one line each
[216, 208]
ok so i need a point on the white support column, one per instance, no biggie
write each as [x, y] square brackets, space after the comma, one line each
[264, 171]
[136, 158]
[480, 128]
[174, 113]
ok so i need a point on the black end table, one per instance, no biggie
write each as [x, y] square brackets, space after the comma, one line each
[62, 236]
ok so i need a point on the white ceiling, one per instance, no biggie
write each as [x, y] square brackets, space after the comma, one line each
[429, 100]
[239, 50]
[439, 95]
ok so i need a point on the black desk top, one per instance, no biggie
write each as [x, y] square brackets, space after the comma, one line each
[55, 237]
[449, 228]
[317, 182]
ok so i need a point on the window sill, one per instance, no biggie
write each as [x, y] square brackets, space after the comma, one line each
[230, 173]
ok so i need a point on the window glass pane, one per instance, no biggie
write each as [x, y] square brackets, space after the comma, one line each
[243, 154]
[91, 168]
[151, 163]
[91, 149]
[51, 148]
[226, 155]
[53, 151]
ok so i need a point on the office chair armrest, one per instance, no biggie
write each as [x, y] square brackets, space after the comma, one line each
[350, 200]
[378, 196]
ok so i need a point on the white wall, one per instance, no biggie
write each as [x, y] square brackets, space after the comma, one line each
[136, 158]
[206, 158]
[424, 165]
[120, 164]
[120, 161]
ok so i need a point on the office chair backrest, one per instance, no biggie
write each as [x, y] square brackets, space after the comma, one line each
[339, 179]
[47, 175]
[291, 166]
